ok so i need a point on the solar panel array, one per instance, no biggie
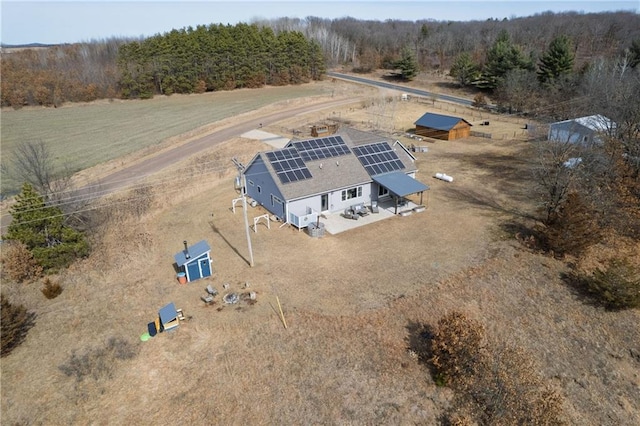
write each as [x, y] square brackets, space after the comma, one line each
[288, 165]
[318, 149]
[378, 158]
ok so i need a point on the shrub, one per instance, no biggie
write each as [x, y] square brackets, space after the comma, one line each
[616, 287]
[19, 264]
[479, 101]
[457, 347]
[572, 229]
[16, 322]
[51, 290]
[494, 384]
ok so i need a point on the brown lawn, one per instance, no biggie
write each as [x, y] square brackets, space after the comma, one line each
[351, 302]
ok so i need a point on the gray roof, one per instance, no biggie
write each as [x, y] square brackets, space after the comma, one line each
[168, 313]
[335, 173]
[195, 251]
[400, 184]
[597, 123]
[439, 121]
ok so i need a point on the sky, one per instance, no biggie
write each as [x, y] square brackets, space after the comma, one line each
[71, 21]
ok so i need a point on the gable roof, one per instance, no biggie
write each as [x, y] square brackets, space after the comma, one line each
[333, 173]
[195, 251]
[439, 121]
[596, 123]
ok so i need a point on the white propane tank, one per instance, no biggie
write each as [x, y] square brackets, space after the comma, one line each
[444, 177]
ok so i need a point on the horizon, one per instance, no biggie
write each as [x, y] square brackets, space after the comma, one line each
[36, 22]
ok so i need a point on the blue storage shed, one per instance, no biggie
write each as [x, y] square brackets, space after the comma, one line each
[194, 261]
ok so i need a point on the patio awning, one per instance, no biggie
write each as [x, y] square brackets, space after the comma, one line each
[400, 184]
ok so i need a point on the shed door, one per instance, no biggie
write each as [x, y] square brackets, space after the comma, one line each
[205, 267]
[193, 271]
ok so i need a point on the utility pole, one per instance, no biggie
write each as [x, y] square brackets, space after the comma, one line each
[241, 169]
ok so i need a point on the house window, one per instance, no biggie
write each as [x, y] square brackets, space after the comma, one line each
[275, 200]
[259, 189]
[382, 191]
[251, 182]
[350, 193]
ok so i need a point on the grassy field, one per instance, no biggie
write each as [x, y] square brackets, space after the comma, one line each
[81, 136]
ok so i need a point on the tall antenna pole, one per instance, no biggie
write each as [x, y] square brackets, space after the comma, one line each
[241, 169]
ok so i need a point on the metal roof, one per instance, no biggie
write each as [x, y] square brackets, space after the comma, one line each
[439, 121]
[195, 251]
[400, 184]
[597, 123]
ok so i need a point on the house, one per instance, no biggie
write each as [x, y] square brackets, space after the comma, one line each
[583, 130]
[443, 127]
[329, 175]
[194, 261]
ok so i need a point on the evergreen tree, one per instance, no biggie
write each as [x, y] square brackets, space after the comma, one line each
[502, 57]
[407, 64]
[41, 228]
[557, 61]
[464, 70]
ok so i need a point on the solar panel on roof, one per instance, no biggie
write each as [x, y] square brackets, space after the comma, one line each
[378, 158]
[318, 149]
[288, 165]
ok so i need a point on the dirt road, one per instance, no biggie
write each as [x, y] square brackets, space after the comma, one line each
[129, 175]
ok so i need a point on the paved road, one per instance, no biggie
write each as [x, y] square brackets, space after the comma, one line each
[404, 89]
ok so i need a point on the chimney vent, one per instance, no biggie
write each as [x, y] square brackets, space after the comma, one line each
[186, 250]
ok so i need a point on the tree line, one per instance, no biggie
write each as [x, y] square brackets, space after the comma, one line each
[288, 50]
[217, 57]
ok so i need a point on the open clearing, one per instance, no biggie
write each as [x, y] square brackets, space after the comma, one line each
[82, 136]
[351, 301]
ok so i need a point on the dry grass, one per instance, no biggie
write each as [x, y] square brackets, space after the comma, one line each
[351, 301]
[83, 136]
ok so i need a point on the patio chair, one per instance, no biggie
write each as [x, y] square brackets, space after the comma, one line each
[374, 207]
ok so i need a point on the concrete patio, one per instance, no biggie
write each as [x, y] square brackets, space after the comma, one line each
[335, 223]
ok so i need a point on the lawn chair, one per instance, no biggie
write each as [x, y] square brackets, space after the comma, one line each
[211, 291]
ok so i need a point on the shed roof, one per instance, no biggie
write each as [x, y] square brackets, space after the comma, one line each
[400, 184]
[168, 313]
[195, 251]
[439, 121]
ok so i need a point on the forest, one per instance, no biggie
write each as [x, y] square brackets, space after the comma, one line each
[293, 51]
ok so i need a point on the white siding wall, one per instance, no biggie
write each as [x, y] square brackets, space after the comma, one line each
[299, 207]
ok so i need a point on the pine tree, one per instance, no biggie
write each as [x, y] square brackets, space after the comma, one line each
[502, 57]
[41, 228]
[464, 70]
[557, 61]
[407, 64]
